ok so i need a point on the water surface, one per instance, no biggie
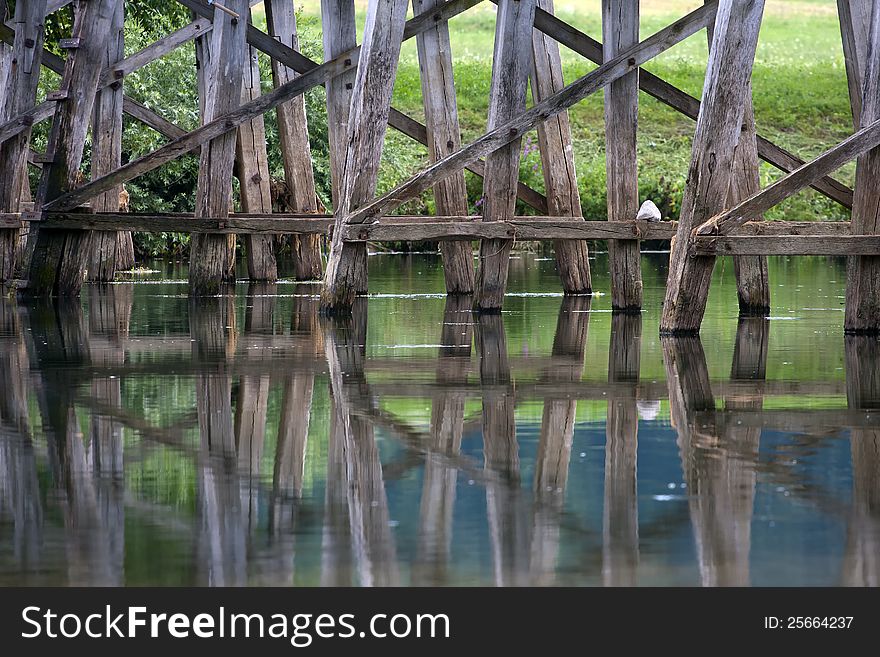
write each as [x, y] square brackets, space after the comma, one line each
[145, 439]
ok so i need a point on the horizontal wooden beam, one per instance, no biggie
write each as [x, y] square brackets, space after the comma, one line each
[681, 101]
[835, 157]
[626, 62]
[806, 420]
[833, 245]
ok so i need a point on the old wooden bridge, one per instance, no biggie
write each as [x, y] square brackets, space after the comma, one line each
[76, 229]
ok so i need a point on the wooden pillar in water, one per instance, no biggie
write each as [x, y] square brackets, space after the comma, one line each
[862, 314]
[367, 121]
[620, 31]
[61, 257]
[444, 137]
[110, 249]
[211, 256]
[752, 277]
[252, 166]
[20, 73]
[620, 519]
[557, 434]
[719, 126]
[293, 138]
[511, 65]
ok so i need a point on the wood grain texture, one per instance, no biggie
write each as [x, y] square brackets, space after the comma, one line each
[252, 170]
[840, 245]
[863, 273]
[557, 160]
[293, 138]
[19, 76]
[346, 273]
[60, 259]
[718, 129]
[212, 256]
[620, 31]
[511, 64]
[443, 137]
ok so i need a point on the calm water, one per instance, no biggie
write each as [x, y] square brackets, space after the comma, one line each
[242, 440]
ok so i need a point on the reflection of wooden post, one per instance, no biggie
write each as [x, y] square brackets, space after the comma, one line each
[719, 471]
[861, 565]
[447, 426]
[19, 486]
[504, 503]
[620, 544]
[222, 539]
[557, 432]
[372, 541]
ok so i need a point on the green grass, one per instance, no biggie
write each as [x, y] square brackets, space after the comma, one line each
[799, 89]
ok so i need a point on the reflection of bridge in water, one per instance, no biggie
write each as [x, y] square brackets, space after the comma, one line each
[64, 374]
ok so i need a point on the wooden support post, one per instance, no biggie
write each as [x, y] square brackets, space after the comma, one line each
[212, 256]
[620, 522]
[752, 277]
[293, 137]
[718, 129]
[557, 159]
[511, 64]
[620, 31]
[557, 434]
[252, 167]
[19, 74]
[855, 23]
[863, 272]
[61, 257]
[110, 249]
[367, 121]
[444, 137]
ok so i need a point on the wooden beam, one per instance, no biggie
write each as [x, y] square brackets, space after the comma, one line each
[346, 273]
[863, 273]
[562, 100]
[511, 64]
[855, 22]
[252, 170]
[61, 257]
[444, 137]
[835, 157]
[212, 256]
[620, 31]
[710, 173]
[191, 140]
[109, 247]
[20, 89]
[838, 245]
[681, 101]
[152, 120]
[293, 137]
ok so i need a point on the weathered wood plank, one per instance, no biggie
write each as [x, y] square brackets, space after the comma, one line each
[863, 273]
[293, 136]
[444, 136]
[718, 130]
[18, 96]
[620, 31]
[855, 22]
[212, 261]
[511, 64]
[557, 159]
[370, 104]
[835, 157]
[840, 245]
[61, 257]
[562, 100]
[110, 249]
[681, 101]
[252, 170]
